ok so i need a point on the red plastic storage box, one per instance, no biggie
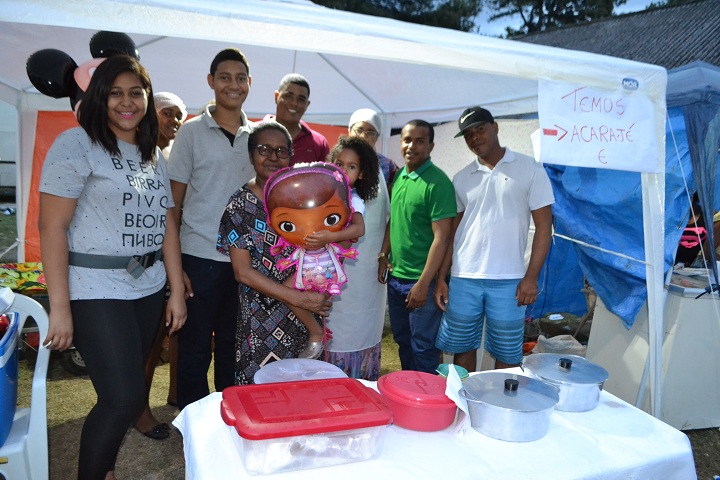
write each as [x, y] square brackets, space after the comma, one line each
[306, 424]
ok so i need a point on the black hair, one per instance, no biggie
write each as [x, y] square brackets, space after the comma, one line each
[229, 54]
[93, 109]
[295, 79]
[267, 125]
[367, 186]
[423, 123]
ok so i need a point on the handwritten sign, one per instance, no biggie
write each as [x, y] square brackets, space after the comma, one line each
[590, 127]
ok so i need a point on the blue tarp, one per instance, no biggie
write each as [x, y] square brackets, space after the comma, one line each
[604, 208]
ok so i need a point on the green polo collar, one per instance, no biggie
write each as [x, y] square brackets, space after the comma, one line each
[417, 173]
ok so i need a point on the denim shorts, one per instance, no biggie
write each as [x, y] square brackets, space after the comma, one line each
[471, 302]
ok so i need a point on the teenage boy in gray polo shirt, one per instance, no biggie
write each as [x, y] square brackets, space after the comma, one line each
[208, 163]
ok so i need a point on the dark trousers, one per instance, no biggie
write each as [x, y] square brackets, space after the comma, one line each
[415, 330]
[114, 338]
[211, 315]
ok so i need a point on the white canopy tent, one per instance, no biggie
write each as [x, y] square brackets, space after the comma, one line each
[352, 61]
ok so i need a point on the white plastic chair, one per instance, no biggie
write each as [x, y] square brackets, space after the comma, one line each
[26, 448]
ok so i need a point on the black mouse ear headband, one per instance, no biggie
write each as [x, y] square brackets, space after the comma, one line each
[55, 74]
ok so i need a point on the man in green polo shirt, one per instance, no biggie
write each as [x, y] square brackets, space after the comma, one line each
[416, 238]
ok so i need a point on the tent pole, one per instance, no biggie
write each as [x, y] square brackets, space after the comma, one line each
[643, 381]
[653, 189]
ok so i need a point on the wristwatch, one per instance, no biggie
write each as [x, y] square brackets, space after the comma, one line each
[381, 255]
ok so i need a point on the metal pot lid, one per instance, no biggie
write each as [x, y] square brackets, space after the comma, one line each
[512, 392]
[565, 369]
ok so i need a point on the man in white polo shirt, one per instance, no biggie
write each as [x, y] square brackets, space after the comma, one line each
[497, 194]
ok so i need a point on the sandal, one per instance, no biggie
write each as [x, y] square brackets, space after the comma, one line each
[161, 431]
[311, 350]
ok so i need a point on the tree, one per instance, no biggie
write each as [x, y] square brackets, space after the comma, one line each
[539, 15]
[454, 14]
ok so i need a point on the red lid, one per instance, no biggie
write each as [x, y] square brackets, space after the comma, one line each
[285, 409]
[414, 387]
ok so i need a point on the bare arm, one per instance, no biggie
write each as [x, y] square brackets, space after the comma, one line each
[178, 193]
[352, 232]
[441, 286]
[316, 302]
[56, 213]
[441, 236]
[176, 311]
[527, 289]
[384, 260]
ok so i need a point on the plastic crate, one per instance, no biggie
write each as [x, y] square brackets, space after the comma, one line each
[305, 424]
[8, 376]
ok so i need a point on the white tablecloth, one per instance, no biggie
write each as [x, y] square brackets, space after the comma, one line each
[613, 441]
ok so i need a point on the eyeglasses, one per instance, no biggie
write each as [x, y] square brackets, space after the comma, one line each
[266, 151]
[368, 133]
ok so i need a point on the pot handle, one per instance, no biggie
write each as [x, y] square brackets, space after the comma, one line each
[511, 385]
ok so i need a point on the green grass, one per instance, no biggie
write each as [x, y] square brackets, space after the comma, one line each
[389, 360]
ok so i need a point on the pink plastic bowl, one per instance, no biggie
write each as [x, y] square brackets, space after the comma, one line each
[417, 400]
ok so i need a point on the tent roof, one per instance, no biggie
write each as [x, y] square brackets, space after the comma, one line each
[694, 82]
[351, 61]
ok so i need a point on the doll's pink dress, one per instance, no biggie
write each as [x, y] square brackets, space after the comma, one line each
[320, 269]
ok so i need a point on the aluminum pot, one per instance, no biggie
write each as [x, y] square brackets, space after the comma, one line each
[578, 380]
[509, 407]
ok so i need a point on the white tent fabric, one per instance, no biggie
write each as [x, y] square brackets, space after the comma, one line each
[352, 61]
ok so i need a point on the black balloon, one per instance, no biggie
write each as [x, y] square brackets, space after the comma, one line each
[76, 96]
[104, 44]
[51, 72]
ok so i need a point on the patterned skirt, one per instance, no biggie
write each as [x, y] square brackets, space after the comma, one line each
[362, 364]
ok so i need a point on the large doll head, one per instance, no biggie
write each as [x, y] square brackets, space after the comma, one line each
[307, 198]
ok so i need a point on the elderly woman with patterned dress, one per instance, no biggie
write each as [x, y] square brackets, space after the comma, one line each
[358, 314]
[266, 329]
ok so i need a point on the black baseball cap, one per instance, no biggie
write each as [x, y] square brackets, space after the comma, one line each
[471, 117]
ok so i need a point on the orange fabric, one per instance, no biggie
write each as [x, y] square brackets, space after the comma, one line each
[52, 124]
[49, 126]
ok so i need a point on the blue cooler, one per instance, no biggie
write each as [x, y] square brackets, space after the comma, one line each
[8, 376]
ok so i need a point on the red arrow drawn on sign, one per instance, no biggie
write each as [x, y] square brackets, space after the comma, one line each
[553, 132]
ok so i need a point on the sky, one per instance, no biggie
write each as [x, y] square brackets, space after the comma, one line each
[497, 27]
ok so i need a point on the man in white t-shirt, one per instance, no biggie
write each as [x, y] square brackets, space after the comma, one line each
[497, 194]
